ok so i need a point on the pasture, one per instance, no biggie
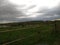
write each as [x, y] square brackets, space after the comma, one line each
[30, 33]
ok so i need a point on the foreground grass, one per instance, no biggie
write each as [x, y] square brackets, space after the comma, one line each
[43, 34]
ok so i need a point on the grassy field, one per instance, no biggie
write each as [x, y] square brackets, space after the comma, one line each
[30, 33]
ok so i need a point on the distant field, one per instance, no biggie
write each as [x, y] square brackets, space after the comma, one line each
[30, 33]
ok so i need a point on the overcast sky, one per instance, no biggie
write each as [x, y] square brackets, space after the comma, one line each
[25, 10]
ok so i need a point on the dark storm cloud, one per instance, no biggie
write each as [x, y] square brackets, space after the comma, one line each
[9, 11]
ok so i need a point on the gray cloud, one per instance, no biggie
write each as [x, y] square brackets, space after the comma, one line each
[9, 12]
[49, 14]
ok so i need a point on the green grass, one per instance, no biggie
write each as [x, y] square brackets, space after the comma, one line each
[42, 34]
[15, 34]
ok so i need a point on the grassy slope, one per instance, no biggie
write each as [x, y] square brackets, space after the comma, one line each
[44, 33]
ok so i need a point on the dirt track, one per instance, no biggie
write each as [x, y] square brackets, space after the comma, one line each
[20, 29]
[17, 40]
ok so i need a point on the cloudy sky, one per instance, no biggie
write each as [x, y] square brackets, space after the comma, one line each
[26, 10]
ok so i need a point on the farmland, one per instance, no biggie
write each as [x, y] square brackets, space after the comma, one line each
[30, 33]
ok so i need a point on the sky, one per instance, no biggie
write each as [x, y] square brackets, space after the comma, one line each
[27, 10]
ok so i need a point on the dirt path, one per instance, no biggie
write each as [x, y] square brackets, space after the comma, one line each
[17, 40]
[20, 29]
[12, 30]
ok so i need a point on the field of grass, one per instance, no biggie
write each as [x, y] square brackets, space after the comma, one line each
[30, 33]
